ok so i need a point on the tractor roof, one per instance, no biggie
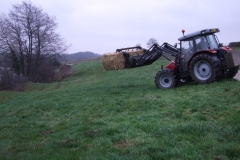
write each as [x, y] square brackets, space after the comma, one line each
[199, 33]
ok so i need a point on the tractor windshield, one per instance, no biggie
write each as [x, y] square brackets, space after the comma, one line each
[213, 43]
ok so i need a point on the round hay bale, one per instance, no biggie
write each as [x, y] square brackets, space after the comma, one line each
[113, 61]
[116, 61]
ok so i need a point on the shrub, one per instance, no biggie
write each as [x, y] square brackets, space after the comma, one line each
[234, 44]
[9, 80]
[44, 74]
[64, 71]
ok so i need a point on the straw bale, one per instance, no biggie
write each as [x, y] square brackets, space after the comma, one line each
[116, 60]
[113, 61]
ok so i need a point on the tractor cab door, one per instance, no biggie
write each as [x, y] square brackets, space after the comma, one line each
[188, 48]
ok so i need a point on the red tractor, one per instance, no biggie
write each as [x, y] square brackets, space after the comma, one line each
[200, 58]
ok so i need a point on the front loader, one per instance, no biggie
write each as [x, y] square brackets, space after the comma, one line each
[199, 58]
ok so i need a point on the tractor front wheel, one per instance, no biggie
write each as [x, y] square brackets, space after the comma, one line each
[165, 79]
[204, 68]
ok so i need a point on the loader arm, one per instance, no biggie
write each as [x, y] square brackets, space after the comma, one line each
[151, 55]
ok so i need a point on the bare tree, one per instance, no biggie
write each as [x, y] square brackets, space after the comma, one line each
[151, 42]
[29, 39]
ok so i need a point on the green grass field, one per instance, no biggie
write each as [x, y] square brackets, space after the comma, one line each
[98, 114]
[235, 48]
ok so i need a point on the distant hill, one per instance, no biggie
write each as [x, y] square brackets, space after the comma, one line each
[79, 56]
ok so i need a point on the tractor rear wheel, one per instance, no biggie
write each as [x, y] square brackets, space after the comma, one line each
[165, 79]
[204, 68]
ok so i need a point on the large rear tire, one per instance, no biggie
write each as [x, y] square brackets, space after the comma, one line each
[204, 68]
[165, 79]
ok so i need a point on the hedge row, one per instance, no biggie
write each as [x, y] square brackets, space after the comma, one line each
[234, 44]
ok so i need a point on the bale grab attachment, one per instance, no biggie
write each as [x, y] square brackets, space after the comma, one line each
[152, 54]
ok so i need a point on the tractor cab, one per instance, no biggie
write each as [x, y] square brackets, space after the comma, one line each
[196, 43]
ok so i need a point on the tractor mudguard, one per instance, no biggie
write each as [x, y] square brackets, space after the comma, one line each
[171, 66]
[210, 52]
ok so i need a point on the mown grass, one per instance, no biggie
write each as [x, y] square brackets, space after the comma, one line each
[235, 48]
[98, 114]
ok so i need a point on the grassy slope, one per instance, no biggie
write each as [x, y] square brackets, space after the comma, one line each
[98, 114]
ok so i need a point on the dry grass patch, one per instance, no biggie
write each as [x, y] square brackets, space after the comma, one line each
[124, 144]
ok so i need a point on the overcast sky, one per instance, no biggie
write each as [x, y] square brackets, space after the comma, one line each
[102, 26]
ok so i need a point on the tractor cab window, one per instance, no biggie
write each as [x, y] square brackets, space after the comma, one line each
[187, 47]
[212, 41]
[201, 43]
